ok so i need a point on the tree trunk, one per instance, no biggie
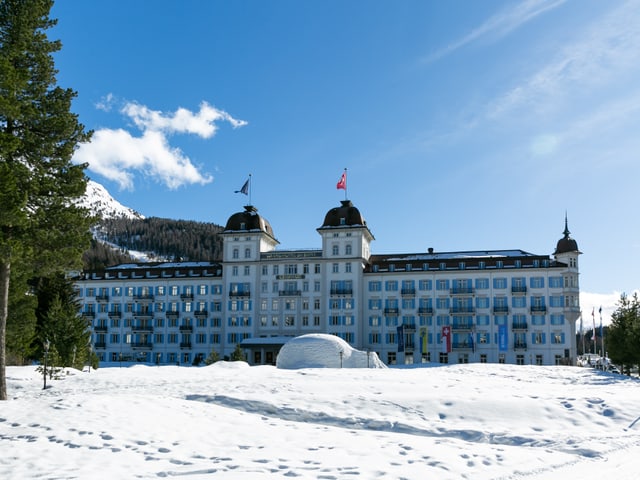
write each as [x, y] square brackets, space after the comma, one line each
[5, 270]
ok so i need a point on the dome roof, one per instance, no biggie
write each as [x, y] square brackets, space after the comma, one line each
[344, 216]
[566, 243]
[247, 221]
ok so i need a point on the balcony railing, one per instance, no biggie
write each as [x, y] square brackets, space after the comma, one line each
[201, 313]
[520, 346]
[519, 326]
[462, 326]
[519, 289]
[408, 292]
[500, 309]
[186, 328]
[100, 345]
[462, 309]
[391, 311]
[461, 291]
[341, 291]
[101, 329]
[538, 309]
[147, 297]
[185, 345]
[172, 314]
[142, 328]
[102, 298]
[186, 296]
[461, 345]
[142, 345]
[241, 293]
[114, 314]
[89, 314]
[289, 293]
[425, 310]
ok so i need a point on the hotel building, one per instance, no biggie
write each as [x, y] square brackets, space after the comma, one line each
[496, 306]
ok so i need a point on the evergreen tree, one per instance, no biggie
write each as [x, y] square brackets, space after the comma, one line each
[60, 322]
[21, 321]
[212, 358]
[623, 339]
[238, 355]
[40, 225]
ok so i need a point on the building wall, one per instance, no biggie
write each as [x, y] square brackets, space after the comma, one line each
[179, 313]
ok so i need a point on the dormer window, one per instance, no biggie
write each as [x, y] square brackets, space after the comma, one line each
[243, 226]
[343, 221]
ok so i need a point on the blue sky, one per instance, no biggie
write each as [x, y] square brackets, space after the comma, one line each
[463, 125]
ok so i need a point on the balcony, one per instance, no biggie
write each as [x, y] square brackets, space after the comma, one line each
[142, 345]
[341, 291]
[102, 298]
[499, 309]
[186, 328]
[457, 309]
[101, 329]
[520, 346]
[100, 345]
[115, 314]
[462, 326]
[522, 326]
[143, 315]
[186, 296]
[518, 290]
[144, 297]
[185, 345]
[201, 313]
[172, 314]
[144, 328]
[289, 293]
[240, 293]
[89, 314]
[462, 291]
[391, 312]
[408, 292]
[461, 346]
[538, 309]
[425, 311]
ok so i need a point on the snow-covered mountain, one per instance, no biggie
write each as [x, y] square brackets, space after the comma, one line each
[100, 202]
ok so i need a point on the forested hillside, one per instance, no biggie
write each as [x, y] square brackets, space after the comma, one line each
[175, 240]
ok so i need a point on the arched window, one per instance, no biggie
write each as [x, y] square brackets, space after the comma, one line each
[247, 253]
[348, 249]
[236, 253]
[334, 250]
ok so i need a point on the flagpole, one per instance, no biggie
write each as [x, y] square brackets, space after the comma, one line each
[345, 185]
[602, 337]
[250, 190]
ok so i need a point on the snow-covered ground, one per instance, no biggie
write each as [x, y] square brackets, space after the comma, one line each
[229, 420]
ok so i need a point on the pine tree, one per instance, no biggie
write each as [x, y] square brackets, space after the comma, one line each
[238, 355]
[623, 339]
[40, 225]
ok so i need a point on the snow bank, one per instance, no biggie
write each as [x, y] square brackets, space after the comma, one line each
[319, 350]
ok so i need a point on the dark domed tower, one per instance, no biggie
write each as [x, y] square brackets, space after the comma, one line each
[567, 253]
[246, 235]
[345, 233]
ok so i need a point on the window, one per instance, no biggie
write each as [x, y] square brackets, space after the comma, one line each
[442, 284]
[536, 282]
[375, 286]
[247, 270]
[236, 253]
[374, 321]
[265, 270]
[347, 267]
[247, 253]
[424, 285]
[335, 268]
[334, 249]
[305, 268]
[520, 359]
[291, 269]
[276, 270]
[234, 270]
[391, 286]
[316, 268]
[500, 283]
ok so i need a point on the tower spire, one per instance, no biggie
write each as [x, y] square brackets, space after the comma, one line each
[566, 226]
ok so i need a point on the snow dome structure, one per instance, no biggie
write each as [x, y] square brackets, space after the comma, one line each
[319, 350]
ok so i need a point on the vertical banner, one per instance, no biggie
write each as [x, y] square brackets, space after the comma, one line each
[503, 340]
[446, 339]
[400, 330]
[424, 336]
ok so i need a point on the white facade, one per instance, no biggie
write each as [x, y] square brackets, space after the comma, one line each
[499, 306]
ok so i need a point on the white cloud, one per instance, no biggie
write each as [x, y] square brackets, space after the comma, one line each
[118, 155]
[106, 102]
[182, 120]
[591, 303]
[608, 51]
[501, 24]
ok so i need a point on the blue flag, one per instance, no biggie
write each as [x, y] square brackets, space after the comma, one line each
[400, 330]
[503, 340]
[244, 189]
